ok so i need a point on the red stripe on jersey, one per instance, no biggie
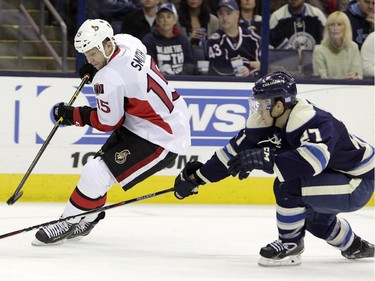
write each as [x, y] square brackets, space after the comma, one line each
[143, 109]
[175, 95]
[157, 71]
[80, 201]
[77, 118]
[140, 164]
[94, 119]
[116, 52]
[159, 91]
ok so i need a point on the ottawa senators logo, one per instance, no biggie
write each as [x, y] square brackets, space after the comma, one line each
[120, 157]
[99, 89]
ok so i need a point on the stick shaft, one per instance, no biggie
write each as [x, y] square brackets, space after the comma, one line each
[97, 210]
[16, 195]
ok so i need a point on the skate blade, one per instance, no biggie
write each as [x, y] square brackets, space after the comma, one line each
[75, 239]
[287, 261]
[38, 243]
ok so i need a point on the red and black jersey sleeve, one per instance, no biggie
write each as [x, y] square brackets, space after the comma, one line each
[86, 115]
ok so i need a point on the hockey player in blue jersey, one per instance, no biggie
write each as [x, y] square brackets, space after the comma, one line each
[321, 170]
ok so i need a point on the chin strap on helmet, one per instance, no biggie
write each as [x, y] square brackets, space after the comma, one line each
[274, 118]
[113, 50]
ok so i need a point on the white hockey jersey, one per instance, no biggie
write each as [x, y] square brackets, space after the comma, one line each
[131, 86]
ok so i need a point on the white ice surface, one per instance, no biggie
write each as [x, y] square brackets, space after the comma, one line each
[171, 242]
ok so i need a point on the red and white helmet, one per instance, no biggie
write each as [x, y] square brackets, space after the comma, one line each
[91, 35]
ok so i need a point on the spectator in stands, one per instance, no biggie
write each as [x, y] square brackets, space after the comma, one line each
[232, 50]
[112, 11]
[367, 53]
[176, 3]
[250, 16]
[140, 21]
[196, 20]
[213, 6]
[361, 16]
[277, 4]
[330, 6]
[167, 46]
[296, 25]
[337, 57]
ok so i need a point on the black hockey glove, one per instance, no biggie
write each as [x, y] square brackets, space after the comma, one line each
[89, 69]
[183, 185]
[64, 111]
[247, 160]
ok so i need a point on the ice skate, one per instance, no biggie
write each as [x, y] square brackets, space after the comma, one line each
[83, 228]
[281, 254]
[359, 249]
[53, 234]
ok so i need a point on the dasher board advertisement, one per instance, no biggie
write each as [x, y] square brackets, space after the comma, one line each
[217, 111]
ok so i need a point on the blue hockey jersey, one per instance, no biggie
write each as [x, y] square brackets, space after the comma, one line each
[299, 32]
[254, 26]
[221, 50]
[360, 26]
[311, 142]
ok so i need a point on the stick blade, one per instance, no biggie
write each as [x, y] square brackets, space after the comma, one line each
[14, 198]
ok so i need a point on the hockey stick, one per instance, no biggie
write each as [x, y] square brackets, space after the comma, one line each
[144, 197]
[18, 193]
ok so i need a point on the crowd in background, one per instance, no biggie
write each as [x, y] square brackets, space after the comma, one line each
[224, 37]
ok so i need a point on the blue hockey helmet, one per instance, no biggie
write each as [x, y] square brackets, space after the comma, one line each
[276, 86]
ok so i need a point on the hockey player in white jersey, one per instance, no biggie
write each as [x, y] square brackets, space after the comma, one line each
[148, 118]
